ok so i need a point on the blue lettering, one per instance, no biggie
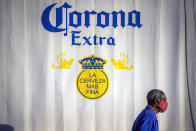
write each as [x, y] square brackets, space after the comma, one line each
[100, 40]
[75, 20]
[87, 40]
[74, 37]
[106, 15]
[71, 19]
[122, 13]
[46, 18]
[137, 19]
[110, 41]
[87, 17]
[95, 39]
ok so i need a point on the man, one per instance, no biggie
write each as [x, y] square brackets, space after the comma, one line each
[147, 119]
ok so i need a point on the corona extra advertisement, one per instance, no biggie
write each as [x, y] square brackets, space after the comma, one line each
[97, 65]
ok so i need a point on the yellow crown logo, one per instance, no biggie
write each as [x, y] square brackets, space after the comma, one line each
[122, 63]
[62, 62]
[92, 62]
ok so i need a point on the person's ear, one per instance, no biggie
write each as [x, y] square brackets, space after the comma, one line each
[156, 101]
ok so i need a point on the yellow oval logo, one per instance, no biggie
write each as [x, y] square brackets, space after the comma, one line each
[92, 81]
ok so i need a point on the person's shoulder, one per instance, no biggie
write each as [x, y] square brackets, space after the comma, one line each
[146, 115]
[149, 115]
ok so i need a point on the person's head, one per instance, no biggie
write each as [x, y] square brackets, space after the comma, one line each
[157, 99]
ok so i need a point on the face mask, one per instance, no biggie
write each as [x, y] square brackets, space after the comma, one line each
[163, 105]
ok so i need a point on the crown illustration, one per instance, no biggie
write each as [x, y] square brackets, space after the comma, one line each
[122, 63]
[92, 62]
[62, 62]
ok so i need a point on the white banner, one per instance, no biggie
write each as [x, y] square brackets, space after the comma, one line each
[87, 65]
